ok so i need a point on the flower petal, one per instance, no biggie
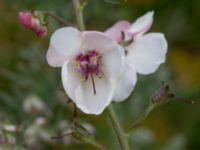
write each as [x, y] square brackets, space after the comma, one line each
[147, 52]
[91, 103]
[142, 24]
[126, 83]
[96, 40]
[113, 61]
[54, 58]
[70, 79]
[115, 31]
[66, 41]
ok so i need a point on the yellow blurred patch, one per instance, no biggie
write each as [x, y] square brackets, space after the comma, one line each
[186, 66]
[161, 126]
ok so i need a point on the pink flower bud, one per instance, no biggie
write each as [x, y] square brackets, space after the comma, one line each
[41, 31]
[26, 19]
[33, 21]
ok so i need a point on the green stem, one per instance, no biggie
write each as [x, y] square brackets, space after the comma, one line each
[52, 15]
[122, 139]
[141, 119]
[98, 145]
[78, 14]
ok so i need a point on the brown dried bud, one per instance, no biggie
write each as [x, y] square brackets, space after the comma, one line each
[162, 94]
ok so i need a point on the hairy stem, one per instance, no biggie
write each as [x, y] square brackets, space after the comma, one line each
[122, 139]
[78, 14]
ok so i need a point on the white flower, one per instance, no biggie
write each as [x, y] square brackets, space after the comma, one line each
[144, 54]
[36, 134]
[34, 105]
[91, 62]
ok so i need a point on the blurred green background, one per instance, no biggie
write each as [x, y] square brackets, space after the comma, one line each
[30, 91]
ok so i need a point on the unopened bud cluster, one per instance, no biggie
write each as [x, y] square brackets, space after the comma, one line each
[34, 21]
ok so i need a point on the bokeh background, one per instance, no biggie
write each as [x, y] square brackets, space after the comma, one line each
[31, 95]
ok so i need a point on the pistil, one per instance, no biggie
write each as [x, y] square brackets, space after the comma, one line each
[93, 84]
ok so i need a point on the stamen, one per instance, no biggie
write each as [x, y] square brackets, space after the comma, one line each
[93, 84]
[89, 64]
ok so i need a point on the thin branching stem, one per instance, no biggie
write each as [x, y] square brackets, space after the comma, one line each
[121, 136]
[141, 119]
[59, 19]
[78, 14]
[98, 145]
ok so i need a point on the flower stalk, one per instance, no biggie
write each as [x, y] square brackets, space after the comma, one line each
[96, 144]
[121, 136]
[52, 15]
[115, 123]
[78, 14]
[141, 119]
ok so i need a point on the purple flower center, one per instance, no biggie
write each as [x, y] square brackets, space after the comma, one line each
[88, 64]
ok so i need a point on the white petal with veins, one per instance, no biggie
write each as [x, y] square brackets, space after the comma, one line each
[54, 58]
[142, 24]
[70, 79]
[66, 41]
[115, 32]
[126, 83]
[113, 61]
[147, 52]
[91, 103]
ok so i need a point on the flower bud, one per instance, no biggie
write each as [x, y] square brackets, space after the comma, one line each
[36, 134]
[26, 19]
[2, 138]
[10, 128]
[161, 95]
[33, 21]
[34, 105]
